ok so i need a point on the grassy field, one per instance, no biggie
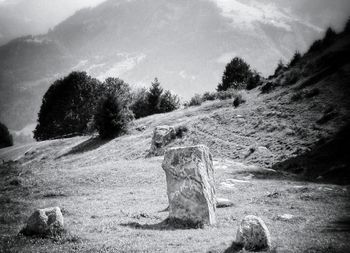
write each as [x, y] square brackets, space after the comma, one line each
[113, 198]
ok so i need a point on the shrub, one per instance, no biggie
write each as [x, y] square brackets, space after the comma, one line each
[209, 96]
[228, 94]
[112, 117]
[297, 96]
[268, 87]
[68, 106]
[195, 100]
[292, 77]
[238, 100]
[312, 93]
[181, 130]
[5, 137]
[235, 75]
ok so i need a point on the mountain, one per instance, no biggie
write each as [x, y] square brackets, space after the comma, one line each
[185, 43]
[24, 17]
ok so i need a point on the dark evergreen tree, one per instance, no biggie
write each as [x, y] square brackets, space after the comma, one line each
[68, 106]
[154, 97]
[5, 137]
[296, 58]
[280, 68]
[235, 75]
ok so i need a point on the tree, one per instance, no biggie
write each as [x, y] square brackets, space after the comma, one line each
[118, 88]
[168, 102]
[296, 58]
[253, 80]
[280, 67]
[5, 137]
[112, 117]
[139, 104]
[235, 75]
[154, 97]
[68, 106]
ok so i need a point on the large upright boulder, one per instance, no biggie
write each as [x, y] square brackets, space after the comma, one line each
[162, 136]
[46, 221]
[190, 185]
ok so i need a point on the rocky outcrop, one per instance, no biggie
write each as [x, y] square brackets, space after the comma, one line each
[190, 185]
[44, 222]
[162, 136]
[253, 234]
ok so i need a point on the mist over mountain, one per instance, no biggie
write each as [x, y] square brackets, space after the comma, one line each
[185, 43]
[24, 17]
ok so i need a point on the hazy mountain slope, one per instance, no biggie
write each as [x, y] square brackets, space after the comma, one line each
[31, 17]
[186, 44]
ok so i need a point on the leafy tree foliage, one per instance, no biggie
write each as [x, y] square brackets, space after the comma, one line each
[68, 106]
[118, 88]
[253, 80]
[139, 104]
[168, 102]
[152, 101]
[195, 100]
[235, 75]
[280, 67]
[112, 116]
[5, 137]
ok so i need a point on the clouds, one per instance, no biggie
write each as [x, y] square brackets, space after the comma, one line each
[318, 14]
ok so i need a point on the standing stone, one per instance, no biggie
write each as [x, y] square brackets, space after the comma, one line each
[162, 136]
[190, 185]
[253, 234]
[44, 221]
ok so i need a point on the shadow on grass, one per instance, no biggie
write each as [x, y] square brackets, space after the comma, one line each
[167, 224]
[340, 225]
[328, 161]
[88, 145]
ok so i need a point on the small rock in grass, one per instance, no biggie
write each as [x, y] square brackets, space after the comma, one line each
[222, 202]
[48, 221]
[285, 217]
[253, 234]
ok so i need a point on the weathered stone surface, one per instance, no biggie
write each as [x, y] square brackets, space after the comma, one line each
[190, 185]
[253, 234]
[162, 136]
[222, 203]
[44, 221]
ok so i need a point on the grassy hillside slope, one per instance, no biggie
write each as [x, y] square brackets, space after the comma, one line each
[113, 197]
